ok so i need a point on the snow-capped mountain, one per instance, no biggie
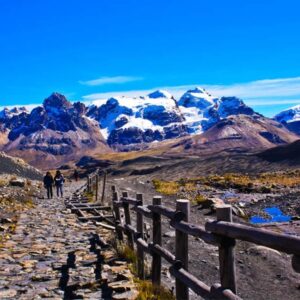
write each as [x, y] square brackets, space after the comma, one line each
[60, 130]
[201, 111]
[10, 118]
[289, 115]
[158, 116]
[125, 120]
[290, 118]
[9, 113]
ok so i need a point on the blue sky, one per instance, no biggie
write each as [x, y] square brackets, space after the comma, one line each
[95, 48]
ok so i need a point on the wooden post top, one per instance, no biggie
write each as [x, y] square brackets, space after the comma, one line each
[182, 201]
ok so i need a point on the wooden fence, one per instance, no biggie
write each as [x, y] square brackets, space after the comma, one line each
[222, 233]
[93, 183]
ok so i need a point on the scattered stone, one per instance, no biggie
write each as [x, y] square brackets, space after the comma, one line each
[170, 234]
[10, 293]
[121, 286]
[130, 295]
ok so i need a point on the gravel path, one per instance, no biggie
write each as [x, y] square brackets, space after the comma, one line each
[54, 256]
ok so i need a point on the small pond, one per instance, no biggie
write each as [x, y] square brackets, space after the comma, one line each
[276, 215]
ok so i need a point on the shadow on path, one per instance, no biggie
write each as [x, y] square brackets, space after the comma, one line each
[94, 241]
[63, 282]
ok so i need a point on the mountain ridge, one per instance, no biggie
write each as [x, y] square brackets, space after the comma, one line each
[58, 130]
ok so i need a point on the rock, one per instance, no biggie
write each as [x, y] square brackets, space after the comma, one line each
[10, 293]
[262, 250]
[238, 211]
[212, 203]
[170, 234]
[130, 295]
[6, 220]
[17, 182]
[121, 286]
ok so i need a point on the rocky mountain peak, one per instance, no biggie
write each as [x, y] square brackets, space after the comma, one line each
[233, 106]
[7, 113]
[160, 94]
[198, 90]
[56, 100]
[197, 97]
[289, 115]
[290, 118]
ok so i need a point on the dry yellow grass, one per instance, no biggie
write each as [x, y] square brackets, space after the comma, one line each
[90, 196]
[149, 292]
[145, 288]
[199, 199]
[3, 182]
[153, 150]
[262, 183]
[120, 156]
[166, 187]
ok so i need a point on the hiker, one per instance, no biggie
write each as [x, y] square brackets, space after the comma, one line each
[59, 183]
[48, 183]
[76, 175]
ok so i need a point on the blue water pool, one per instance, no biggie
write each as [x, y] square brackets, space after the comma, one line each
[276, 215]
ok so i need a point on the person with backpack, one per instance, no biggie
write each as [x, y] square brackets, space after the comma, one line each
[48, 183]
[59, 183]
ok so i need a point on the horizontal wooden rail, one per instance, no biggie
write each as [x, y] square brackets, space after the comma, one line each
[143, 244]
[91, 218]
[144, 211]
[130, 228]
[197, 231]
[217, 292]
[118, 204]
[277, 241]
[167, 212]
[191, 281]
[130, 201]
[86, 208]
[168, 256]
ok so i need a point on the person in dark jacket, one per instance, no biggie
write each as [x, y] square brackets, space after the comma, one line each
[76, 175]
[48, 183]
[59, 183]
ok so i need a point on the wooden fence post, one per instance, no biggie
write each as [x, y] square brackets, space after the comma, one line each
[88, 184]
[97, 187]
[103, 188]
[91, 184]
[140, 230]
[181, 249]
[226, 252]
[116, 209]
[128, 221]
[157, 239]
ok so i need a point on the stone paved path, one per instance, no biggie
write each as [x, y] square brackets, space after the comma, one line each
[54, 256]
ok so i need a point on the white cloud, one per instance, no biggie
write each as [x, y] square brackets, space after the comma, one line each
[110, 80]
[260, 92]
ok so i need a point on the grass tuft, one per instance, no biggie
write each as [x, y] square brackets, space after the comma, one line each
[166, 187]
[199, 199]
[90, 196]
[147, 291]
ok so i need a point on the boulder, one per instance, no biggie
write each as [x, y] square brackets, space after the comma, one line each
[17, 182]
